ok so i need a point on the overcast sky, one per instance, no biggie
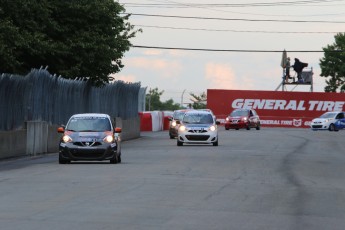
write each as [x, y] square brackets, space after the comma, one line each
[218, 28]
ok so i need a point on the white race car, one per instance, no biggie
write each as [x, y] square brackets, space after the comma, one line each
[198, 127]
[327, 121]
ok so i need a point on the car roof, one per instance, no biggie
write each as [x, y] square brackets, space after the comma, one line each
[335, 112]
[198, 112]
[91, 115]
[182, 110]
[242, 109]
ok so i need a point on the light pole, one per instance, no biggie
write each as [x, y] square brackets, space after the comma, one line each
[182, 98]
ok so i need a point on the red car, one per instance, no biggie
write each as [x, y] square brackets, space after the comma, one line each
[242, 118]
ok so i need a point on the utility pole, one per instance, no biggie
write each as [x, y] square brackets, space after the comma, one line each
[182, 98]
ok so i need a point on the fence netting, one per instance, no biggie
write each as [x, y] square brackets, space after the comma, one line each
[40, 96]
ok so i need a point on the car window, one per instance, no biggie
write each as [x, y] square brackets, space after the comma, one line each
[239, 113]
[197, 118]
[340, 116]
[328, 115]
[178, 115]
[89, 124]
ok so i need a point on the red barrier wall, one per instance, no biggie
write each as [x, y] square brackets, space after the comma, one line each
[145, 121]
[276, 108]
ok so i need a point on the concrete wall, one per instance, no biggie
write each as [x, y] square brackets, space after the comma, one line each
[39, 138]
[13, 143]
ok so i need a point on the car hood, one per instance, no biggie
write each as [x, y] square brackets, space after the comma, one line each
[81, 136]
[322, 119]
[197, 126]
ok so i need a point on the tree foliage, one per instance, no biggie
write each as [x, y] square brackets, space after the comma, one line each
[153, 102]
[85, 38]
[199, 101]
[333, 64]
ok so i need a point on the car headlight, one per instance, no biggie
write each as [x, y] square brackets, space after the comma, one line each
[182, 128]
[212, 128]
[245, 119]
[66, 139]
[173, 124]
[227, 119]
[109, 139]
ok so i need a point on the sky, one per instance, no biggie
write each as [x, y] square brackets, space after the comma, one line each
[237, 44]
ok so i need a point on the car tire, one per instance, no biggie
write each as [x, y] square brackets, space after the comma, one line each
[115, 160]
[331, 127]
[62, 161]
[172, 137]
[226, 128]
[258, 127]
[179, 143]
[248, 127]
[215, 143]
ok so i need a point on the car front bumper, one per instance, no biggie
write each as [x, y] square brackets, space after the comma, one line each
[237, 125]
[198, 138]
[319, 126]
[173, 131]
[69, 151]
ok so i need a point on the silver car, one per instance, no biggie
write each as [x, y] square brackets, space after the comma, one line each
[198, 127]
[327, 121]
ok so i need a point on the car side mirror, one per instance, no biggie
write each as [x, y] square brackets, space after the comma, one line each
[61, 129]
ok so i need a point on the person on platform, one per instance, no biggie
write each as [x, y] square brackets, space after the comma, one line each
[298, 67]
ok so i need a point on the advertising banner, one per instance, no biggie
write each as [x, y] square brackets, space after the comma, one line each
[275, 108]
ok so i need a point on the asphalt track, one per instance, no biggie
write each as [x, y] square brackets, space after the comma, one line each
[275, 179]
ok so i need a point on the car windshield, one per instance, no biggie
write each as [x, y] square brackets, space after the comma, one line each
[178, 115]
[239, 113]
[198, 118]
[328, 115]
[89, 124]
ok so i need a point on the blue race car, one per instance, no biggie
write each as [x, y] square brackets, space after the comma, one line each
[339, 124]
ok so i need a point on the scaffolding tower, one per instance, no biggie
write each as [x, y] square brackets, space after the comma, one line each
[306, 80]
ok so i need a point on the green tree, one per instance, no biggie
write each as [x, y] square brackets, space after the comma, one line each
[153, 101]
[199, 101]
[85, 38]
[170, 105]
[333, 64]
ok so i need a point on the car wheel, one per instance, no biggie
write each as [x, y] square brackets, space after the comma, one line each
[172, 137]
[215, 143]
[258, 127]
[248, 127]
[226, 128]
[237, 128]
[114, 160]
[119, 159]
[331, 127]
[61, 161]
[179, 143]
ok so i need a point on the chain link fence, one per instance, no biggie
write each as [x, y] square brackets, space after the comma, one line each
[40, 96]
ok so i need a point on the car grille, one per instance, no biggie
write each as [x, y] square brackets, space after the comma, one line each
[197, 137]
[87, 144]
[83, 155]
[316, 126]
[197, 131]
